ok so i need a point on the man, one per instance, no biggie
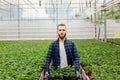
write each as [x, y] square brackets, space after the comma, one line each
[62, 52]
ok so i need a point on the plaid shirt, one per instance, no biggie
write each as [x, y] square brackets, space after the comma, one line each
[53, 54]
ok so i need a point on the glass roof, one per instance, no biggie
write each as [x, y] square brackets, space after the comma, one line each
[50, 9]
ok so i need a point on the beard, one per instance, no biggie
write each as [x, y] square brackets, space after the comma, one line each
[62, 36]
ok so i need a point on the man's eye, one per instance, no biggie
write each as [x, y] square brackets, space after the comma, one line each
[62, 30]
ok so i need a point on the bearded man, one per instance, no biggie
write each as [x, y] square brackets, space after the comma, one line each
[62, 52]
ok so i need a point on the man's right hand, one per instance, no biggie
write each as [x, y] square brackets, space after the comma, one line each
[46, 76]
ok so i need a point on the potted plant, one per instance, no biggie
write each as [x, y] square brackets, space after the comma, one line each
[67, 73]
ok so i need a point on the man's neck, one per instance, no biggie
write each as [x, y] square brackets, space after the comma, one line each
[61, 40]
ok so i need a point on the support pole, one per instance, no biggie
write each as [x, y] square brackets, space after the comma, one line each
[95, 20]
[18, 21]
[105, 25]
[105, 29]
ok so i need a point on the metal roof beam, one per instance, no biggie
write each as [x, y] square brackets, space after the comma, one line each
[107, 5]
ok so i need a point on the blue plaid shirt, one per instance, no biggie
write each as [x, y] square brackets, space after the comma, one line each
[53, 53]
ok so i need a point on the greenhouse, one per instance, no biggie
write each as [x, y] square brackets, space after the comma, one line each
[28, 27]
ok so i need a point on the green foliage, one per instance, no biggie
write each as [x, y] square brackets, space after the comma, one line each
[115, 40]
[102, 59]
[108, 13]
[68, 71]
[114, 13]
[117, 16]
[22, 60]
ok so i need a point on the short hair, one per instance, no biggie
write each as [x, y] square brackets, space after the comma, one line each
[60, 25]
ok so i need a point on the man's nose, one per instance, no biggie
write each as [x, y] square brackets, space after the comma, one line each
[61, 32]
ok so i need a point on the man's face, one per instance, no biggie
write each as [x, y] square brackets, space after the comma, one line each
[61, 32]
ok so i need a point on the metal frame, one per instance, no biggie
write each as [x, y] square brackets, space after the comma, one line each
[82, 6]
